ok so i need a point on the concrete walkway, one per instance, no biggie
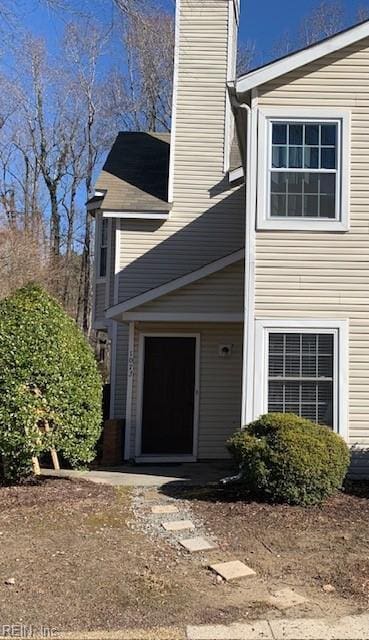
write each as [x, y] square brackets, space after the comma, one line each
[348, 628]
[191, 474]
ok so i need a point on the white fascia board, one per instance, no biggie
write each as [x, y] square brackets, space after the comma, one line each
[137, 215]
[235, 174]
[301, 58]
[149, 316]
[163, 289]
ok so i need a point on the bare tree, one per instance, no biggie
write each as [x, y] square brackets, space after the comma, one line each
[362, 13]
[245, 57]
[326, 19]
[84, 47]
[141, 96]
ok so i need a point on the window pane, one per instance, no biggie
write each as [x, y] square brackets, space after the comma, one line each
[294, 205]
[292, 343]
[279, 158]
[279, 182]
[103, 257]
[292, 368]
[309, 342]
[295, 182]
[295, 134]
[292, 392]
[329, 134]
[327, 207]
[276, 392]
[278, 205]
[325, 367]
[309, 412]
[309, 366]
[295, 157]
[276, 366]
[104, 232]
[328, 158]
[312, 134]
[325, 406]
[311, 182]
[325, 344]
[276, 342]
[311, 157]
[308, 392]
[327, 183]
[311, 206]
[279, 133]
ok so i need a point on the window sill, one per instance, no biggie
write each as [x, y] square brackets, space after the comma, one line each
[302, 225]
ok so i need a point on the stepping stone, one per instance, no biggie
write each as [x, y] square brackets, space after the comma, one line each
[286, 598]
[164, 508]
[232, 570]
[197, 544]
[178, 525]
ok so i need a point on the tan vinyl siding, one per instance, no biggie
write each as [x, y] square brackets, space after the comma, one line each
[327, 274]
[220, 382]
[207, 218]
[221, 292]
[99, 303]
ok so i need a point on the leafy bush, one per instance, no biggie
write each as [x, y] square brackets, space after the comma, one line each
[284, 458]
[48, 378]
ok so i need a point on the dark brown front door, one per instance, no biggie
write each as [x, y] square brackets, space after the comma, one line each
[168, 395]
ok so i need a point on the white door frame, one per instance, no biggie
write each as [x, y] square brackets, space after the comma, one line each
[140, 383]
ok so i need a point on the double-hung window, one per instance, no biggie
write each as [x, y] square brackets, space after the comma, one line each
[103, 248]
[301, 368]
[303, 172]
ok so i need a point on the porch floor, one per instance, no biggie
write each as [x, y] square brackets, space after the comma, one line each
[147, 475]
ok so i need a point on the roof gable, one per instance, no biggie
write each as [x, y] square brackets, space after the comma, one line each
[177, 283]
[302, 57]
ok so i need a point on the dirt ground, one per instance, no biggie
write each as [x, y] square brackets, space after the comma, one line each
[310, 549]
[79, 561]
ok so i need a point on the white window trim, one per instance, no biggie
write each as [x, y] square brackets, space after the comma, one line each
[264, 221]
[338, 328]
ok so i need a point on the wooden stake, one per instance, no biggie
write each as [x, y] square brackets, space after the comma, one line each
[54, 455]
[36, 466]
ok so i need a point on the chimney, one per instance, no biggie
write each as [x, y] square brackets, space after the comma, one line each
[202, 121]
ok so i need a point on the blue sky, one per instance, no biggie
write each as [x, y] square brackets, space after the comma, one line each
[264, 22]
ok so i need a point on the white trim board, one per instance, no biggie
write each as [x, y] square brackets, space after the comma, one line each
[153, 316]
[303, 57]
[136, 215]
[172, 285]
[235, 174]
[337, 327]
[130, 379]
[139, 405]
[173, 132]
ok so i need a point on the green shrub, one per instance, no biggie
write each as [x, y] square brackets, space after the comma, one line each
[284, 458]
[48, 377]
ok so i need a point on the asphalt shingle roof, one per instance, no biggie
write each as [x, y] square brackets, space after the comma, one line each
[135, 174]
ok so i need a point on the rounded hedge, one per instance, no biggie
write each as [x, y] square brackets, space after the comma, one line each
[48, 378]
[284, 458]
